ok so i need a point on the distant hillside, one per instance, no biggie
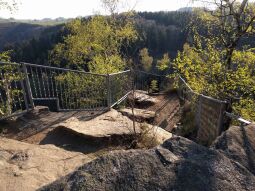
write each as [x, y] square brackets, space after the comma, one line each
[45, 21]
[186, 9]
[161, 32]
[12, 32]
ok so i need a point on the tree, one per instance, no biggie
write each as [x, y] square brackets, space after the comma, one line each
[164, 62]
[8, 73]
[96, 43]
[9, 94]
[214, 63]
[229, 23]
[9, 5]
[145, 59]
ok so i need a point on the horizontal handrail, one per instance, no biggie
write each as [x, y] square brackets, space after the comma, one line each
[150, 73]
[122, 72]
[208, 97]
[240, 119]
[10, 63]
[62, 69]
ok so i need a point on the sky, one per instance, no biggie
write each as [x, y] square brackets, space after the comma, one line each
[39, 9]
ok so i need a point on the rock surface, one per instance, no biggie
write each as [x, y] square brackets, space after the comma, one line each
[140, 115]
[179, 164]
[110, 124]
[142, 97]
[26, 167]
[37, 120]
[238, 143]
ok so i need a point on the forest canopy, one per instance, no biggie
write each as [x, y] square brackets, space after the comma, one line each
[216, 61]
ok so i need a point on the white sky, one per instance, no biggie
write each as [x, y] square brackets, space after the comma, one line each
[38, 9]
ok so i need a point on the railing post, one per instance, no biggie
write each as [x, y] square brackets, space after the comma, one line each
[198, 112]
[29, 91]
[109, 104]
[23, 88]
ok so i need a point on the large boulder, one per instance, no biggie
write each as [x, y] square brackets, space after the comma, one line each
[178, 164]
[238, 143]
[142, 98]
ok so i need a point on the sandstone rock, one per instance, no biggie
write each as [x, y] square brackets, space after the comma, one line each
[142, 97]
[111, 124]
[26, 167]
[238, 143]
[140, 115]
[178, 165]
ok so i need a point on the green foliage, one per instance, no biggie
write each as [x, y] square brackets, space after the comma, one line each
[204, 70]
[9, 74]
[215, 64]
[164, 63]
[77, 85]
[217, 70]
[96, 43]
[160, 32]
[145, 59]
[153, 86]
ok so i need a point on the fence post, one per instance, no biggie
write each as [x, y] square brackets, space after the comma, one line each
[198, 112]
[109, 104]
[29, 91]
[23, 88]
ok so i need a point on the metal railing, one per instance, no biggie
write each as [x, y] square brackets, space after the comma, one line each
[24, 85]
[242, 121]
[67, 89]
[120, 85]
[151, 82]
[211, 114]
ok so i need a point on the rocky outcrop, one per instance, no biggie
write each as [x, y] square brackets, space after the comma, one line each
[142, 98]
[111, 124]
[238, 143]
[178, 164]
[140, 115]
[26, 167]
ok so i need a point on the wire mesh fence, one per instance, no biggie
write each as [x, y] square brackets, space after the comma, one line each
[152, 83]
[24, 85]
[67, 89]
[120, 86]
[207, 113]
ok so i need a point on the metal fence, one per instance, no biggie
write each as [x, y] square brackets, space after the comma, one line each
[120, 86]
[152, 83]
[208, 112]
[24, 85]
[66, 89]
[210, 115]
